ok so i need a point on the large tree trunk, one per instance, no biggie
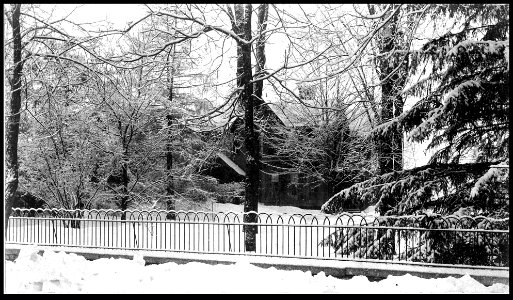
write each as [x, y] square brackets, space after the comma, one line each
[385, 153]
[170, 202]
[124, 192]
[252, 154]
[242, 27]
[79, 204]
[13, 120]
[392, 70]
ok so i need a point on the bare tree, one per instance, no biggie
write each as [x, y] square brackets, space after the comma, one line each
[37, 38]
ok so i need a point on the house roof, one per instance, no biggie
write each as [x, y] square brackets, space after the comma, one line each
[230, 163]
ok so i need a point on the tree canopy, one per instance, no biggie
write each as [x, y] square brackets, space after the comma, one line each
[462, 112]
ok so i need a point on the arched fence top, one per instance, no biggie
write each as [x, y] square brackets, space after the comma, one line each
[343, 219]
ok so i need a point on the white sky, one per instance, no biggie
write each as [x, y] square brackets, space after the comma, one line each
[118, 14]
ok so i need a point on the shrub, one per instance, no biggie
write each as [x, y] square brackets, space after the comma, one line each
[230, 193]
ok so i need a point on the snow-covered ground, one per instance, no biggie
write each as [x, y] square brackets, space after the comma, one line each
[57, 272]
[289, 210]
[270, 209]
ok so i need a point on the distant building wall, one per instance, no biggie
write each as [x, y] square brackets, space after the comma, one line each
[292, 190]
[285, 189]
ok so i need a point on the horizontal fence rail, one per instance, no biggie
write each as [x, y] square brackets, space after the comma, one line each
[428, 239]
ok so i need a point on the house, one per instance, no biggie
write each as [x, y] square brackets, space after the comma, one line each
[278, 186]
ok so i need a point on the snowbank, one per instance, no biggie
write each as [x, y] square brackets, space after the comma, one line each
[270, 209]
[57, 272]
[288, 210]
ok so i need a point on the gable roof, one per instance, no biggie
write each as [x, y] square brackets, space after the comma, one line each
[230, 163]
[265, 110]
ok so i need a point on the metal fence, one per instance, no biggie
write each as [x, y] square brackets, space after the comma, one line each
[421, 238]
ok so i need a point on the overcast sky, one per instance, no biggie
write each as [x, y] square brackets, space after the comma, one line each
[118, 14]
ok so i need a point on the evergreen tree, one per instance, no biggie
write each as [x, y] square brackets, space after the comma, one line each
[463, 112]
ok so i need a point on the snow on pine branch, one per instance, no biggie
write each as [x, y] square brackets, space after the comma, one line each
[495, 172]
[385, 127]
[457, 91]
[409, 187]
[436, 115]
[419, 131]
[488, 47]
[424, 128]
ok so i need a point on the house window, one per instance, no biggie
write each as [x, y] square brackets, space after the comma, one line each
[274, 177]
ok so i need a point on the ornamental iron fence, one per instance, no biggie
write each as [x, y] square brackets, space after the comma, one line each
[428, 239]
